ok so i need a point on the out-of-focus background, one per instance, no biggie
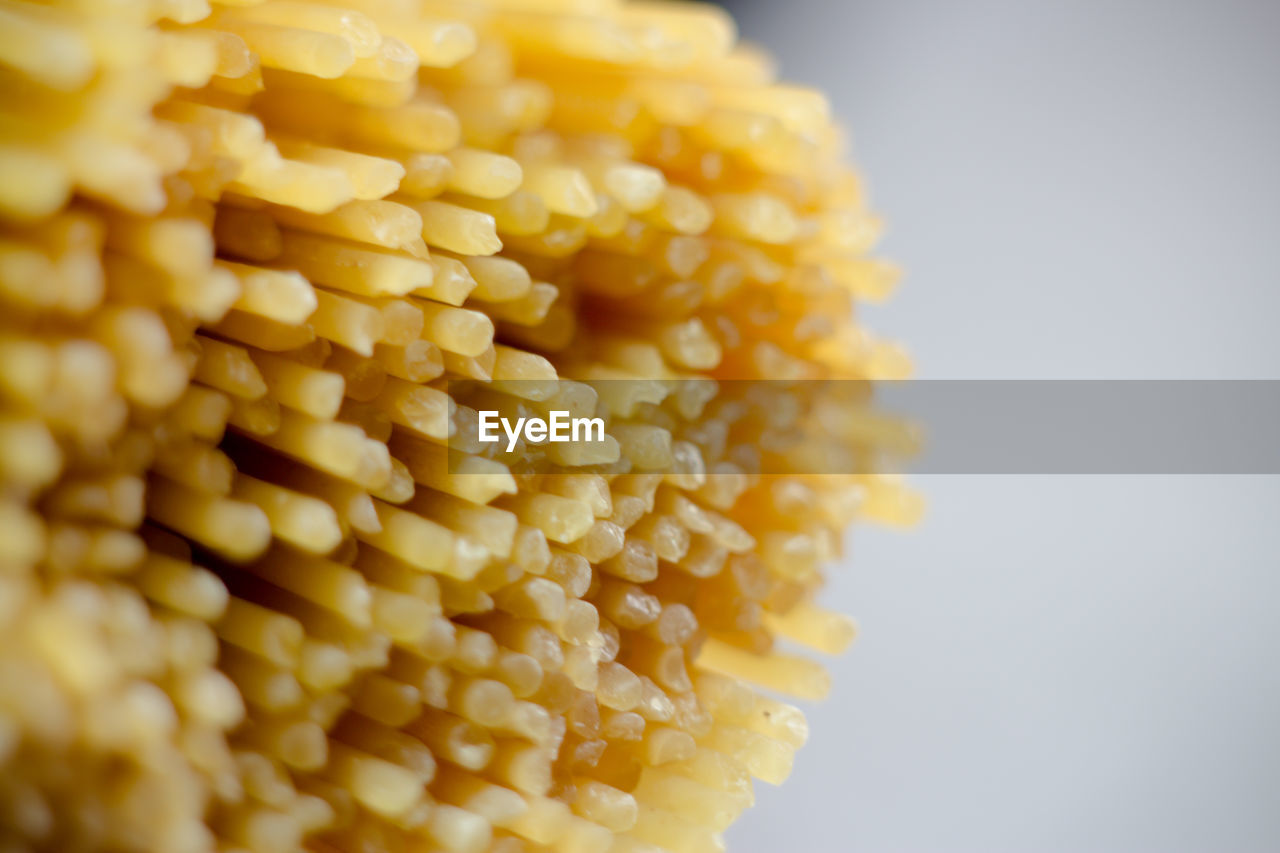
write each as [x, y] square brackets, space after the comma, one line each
[1078, 189]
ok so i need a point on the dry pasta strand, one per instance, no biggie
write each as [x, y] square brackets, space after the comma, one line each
[267, 267]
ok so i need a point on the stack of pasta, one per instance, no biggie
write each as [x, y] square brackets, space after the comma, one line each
[256, 594]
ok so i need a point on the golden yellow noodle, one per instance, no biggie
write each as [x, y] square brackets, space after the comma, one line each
[260, 590]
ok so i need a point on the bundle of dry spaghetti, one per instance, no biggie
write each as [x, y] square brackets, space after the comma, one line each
[256, 594]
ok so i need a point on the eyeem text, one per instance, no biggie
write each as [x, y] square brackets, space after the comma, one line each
[558, 428]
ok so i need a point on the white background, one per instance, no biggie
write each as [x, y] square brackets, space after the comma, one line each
[1080, 189]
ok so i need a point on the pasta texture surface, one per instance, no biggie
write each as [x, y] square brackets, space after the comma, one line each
[261, 266]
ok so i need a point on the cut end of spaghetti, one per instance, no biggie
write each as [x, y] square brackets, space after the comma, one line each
[267, 268]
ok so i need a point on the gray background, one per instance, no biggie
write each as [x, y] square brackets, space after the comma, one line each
[1078, 189]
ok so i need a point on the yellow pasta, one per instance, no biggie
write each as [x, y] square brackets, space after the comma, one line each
[376, 222]
[268, 268]
[483, 173]
[458, 229]
[353, 269]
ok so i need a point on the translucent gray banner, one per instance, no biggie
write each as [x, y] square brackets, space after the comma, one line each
[853, 427]
[1092, 426]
